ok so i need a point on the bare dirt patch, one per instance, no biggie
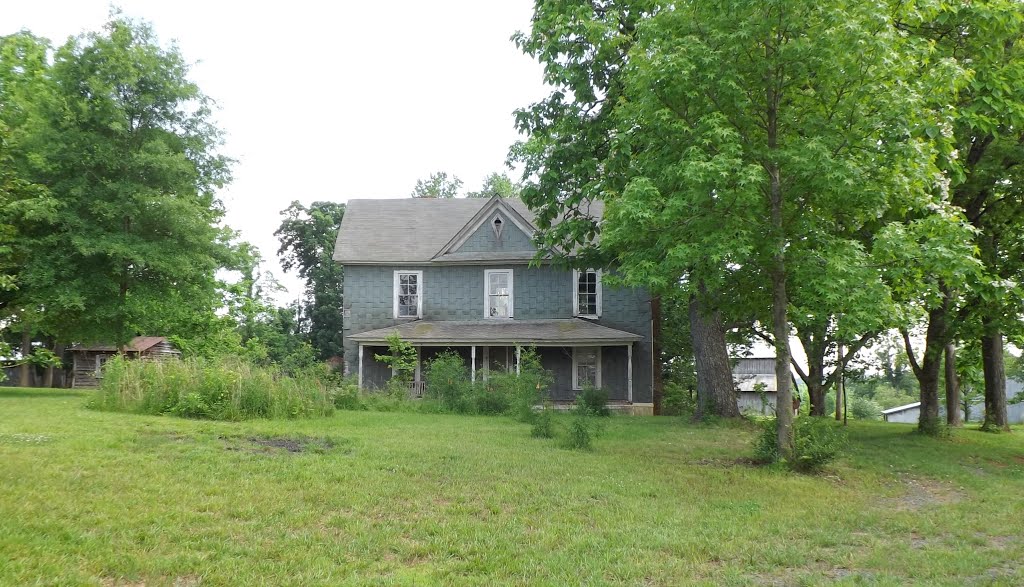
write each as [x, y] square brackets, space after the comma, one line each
[922, 493]
[278, 444]
[185, 581]
[726, 463]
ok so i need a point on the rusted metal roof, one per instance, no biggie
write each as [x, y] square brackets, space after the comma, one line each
[138, 344]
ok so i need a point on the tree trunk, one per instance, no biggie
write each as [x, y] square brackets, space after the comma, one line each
[50, 378]
[25, 379]
[928, 376]
[816, 392]
[815, 379]
[715, 390]
[777, 275]
[657, 378]
[995, 381]
[952, 388]
[122, 298]
[780, 330]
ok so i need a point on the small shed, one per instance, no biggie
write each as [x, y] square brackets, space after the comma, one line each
[906, 414]
[88, 360]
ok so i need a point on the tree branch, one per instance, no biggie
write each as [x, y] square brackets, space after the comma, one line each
[910, 353]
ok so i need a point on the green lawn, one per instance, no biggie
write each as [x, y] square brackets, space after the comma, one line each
[91, 498]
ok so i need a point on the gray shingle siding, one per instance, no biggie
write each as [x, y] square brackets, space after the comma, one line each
[457, 293]
[484, 240]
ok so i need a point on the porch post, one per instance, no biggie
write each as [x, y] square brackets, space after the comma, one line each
[487, 362]
[360, 366]
[629, 372]
[472, 364]
[417, 376]
[518, 353]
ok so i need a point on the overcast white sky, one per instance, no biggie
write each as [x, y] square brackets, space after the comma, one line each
[332, 101]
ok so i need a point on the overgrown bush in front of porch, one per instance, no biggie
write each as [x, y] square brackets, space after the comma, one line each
[503, 393]
[448, 381]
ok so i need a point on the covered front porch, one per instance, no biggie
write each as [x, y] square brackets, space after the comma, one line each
[577, 353]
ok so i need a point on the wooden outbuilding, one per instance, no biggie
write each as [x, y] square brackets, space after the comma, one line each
[88, 360]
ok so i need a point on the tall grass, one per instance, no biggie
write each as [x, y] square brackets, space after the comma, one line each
[217, 390]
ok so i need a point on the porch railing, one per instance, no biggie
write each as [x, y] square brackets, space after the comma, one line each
[417, 388]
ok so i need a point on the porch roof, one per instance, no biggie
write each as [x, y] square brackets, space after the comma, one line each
[572, 331]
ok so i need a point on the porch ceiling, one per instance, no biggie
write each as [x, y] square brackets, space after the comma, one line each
[571, 331]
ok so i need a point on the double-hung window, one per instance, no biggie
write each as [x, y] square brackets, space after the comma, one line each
[586, 367]
[408, 294]
[586, 293]
[498, 293]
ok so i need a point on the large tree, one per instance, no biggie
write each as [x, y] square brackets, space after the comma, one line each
[987, 118]
[307, 236]
[749, 136]
[124, 144]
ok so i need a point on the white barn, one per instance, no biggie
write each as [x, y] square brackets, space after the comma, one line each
[750, 373]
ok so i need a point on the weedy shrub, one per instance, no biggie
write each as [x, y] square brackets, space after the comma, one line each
[863, 408]
[491, 398]
[543, 427]
[817, 442]
[531, 387]
[347, 397]
[594, 400]
[448, 381]
[584, 426]
[214, 389]
[677, 400]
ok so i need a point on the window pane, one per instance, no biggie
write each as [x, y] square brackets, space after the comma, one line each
[586, 375]
[587, 306]
[498, 307]
[499, 283]
[403, 278]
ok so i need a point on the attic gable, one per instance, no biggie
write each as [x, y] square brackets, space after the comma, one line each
[497, 229]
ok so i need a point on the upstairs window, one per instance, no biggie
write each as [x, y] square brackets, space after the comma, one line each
[408, 294]
[498, 293]
[587, 293]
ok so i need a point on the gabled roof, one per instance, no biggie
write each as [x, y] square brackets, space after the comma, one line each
[137, 345]
[501, 332]
[416, 230]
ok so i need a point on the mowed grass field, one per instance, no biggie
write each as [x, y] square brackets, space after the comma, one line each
[363, 498]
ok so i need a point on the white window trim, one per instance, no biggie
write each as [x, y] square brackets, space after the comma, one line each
[487, 293]
[419, 293]
[497, 224]
[575, 370]
[576, 294]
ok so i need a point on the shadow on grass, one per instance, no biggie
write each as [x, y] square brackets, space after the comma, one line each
[42, 393]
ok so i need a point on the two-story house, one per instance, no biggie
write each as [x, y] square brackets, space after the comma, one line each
[455, 274]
